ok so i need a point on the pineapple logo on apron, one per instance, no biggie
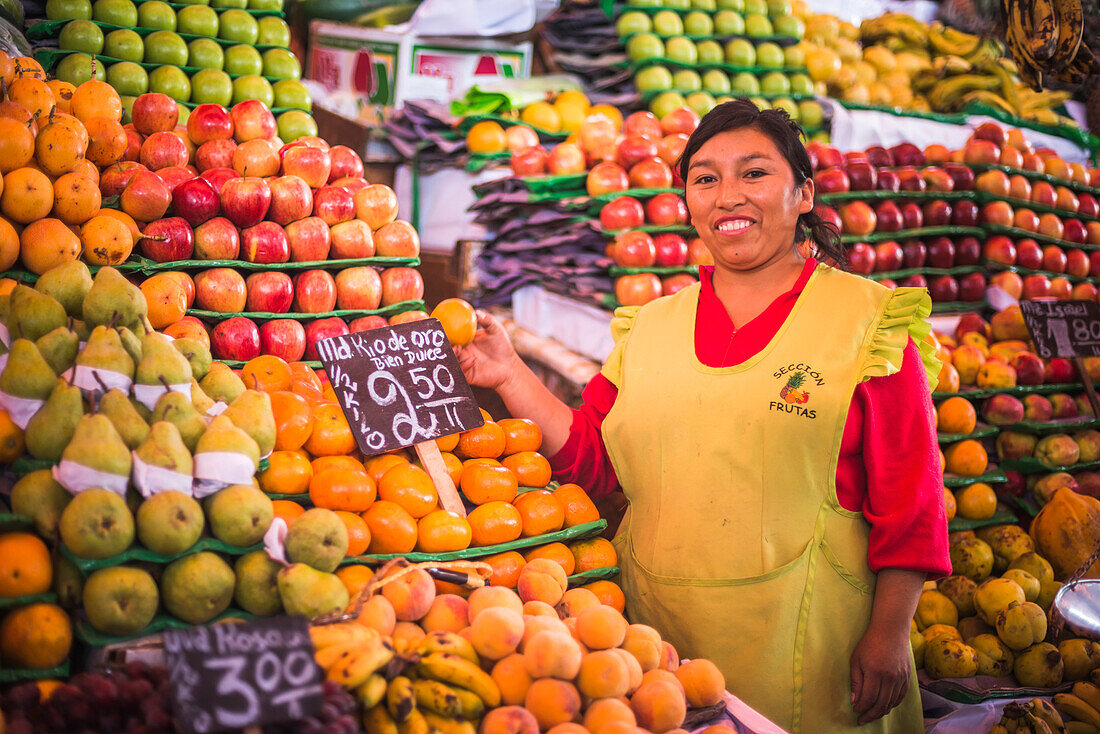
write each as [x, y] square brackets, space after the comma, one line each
[794, 393]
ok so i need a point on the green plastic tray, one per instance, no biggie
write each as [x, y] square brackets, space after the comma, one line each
[162, 622]
[10, 522]
[50, 56]
[1059, 425]
[302, 499]
[137, 553]
[878, 195]
[982, 431]
[1000, 517]
[1020, 234]
[50, 29]
[984, 197]
[1025, 503]
[18, 675]
[150, 266]
[927, 272]
[22, 601]
[957, 307]
[250, 11]
[596, 574]
[1031, 465]
[686, 270]
[1018, 390]
[566, 182]
[346, 314]
[991, 476]
[650, 228]
[921, 232]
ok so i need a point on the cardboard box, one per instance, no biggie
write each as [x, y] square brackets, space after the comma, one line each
[385, 69]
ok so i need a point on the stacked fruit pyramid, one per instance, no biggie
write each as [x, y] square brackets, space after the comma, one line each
[194, 53]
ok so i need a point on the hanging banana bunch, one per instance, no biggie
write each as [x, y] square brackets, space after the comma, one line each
[1046, 37]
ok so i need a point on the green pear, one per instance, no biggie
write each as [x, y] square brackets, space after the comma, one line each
[305, 590]
[68, 582]
[27, 374]
[318, 538]
[113, 300]
[141, 410]
[120, 600]
[97, 524]
[97, 445]
[164, 448]
[257, 590]
[59, 348]
[38, 496]
[51, 429]
[196, 353]
[104, 351]
[221, 384]
[161, 363]
[131, 427]
[131, 343]
[251, 412]
[176, 408]
[83, 331]
[5, 307]
[33, 314]
[239, 515]
[222, 435]
[202, 402]
[67, 283]
[198, 587]
[169, 522]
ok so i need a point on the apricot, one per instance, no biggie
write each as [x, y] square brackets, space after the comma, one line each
[703, 682]
[663, 675]
[550, 654]
[537, 608]
[492, 596]
[406, 636]
[576, 601]
[601, 627]
[717, 729]
[534, 624]
[568, 728]
[542, 580]
[496, 632]
[447, 613]
[658, 706]
[509, 720]
[621, 727]
[607, 711]
[670, 659]
[633, 667]
[603, 674]
[553, 702]
[510, 674]
[411, 595]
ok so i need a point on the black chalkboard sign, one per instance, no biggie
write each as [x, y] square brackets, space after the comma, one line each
[232, 676]
[399, 386]
[1064, 329]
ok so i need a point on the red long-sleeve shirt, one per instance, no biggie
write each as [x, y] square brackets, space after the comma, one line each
[889, 463]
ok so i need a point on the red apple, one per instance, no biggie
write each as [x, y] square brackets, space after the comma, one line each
[862, 176]
[1019, 188]
[879, 156]
[968, 251]
[888, 217]
[858, 218]
[153, 113]
[625, 212]
[861, 258]
[320, 330]
[146, 196]
[910, 180]
[333, 204]
[644, 124]
[888, 180]
[1036, 286]
[670, 147]
[1025, 219]
[972, 287]
[245, 201]
[675, 283]
[1054, 259]
[376, 205]
[314, 292]
[251, 120]
[309, 240]
[291, 198]
[666, 209]
[652, 173]
[1077, 263]
[358, 288]
[345, 162]
[936, 213]
[1087, 205]
[219, 176]
[167, 240]
[992, 132]
[266, 242]
[998, 213]
[1093, 230]
[1029, 369]
[352, 240]
[993, 182]
[237, 338]
[283, 338]
[401, 284]
[209, 122]
[829, 215]
[937, 179]
[1000, 249]
[1066, 200]
[531, 161]
[914, 281]
[1073, 230]
[680, 120]
[114, 178]
[981, 151]
[270, 292]
[217, 239]
[354, 184]
[832, 180]
[1084, 292]
[635, 250]
[1043, 193]
[961, 176]
[637, 290]
[964, 213]
[1029, 254]
[1059, 371]
[196, 201]
[1060, 288]
[605, 178]
[671, 251]
[163, 149]
[914, 253]
[944, 289]
[366, 323]
[221, 290]
[312, 165]
[1051, 226]
[397, 239]
[134, 139]
[912, 216]
[173, 176]
[941, 252]
[633, 149]
[698, 254]
[907, 154]
[566, 158]
[888, 257]
[1009, 282]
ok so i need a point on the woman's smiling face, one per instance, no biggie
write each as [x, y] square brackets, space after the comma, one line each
[743, 201]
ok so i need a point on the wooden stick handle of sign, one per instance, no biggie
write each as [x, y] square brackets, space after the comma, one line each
[432, 460]
[1090, 389]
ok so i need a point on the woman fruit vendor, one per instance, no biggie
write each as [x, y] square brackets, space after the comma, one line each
[772, 431]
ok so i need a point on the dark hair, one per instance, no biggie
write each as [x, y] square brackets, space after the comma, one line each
[786, 134]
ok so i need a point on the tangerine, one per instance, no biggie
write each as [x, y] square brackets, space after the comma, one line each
[47, 243]
[293, 419]
[458, 318]
[342, 489]
[377, 466]
[609, 593]
[287, 509]
[12, 445]
[541, 514]
[956, 415]
[482, 483]
[506, 568]
[542, 115]
[324, 463]
[355, 576]
[76, 198]
[494, 522]
[949, 504]
[16, 144]
[94, 98]
[287, 472]
[594, 553]
[392, 530]
[331, 435]
[976, 502]
[266, 373]
[559, 553]
[520, 435]
[37, 636]
[967, 458]
[530, 467]
[453, 465]
[579, 508]
[166, 298]
[486, 136]
[410, 487]
[106, 239]
[442, 531]
[484, 442]
[358, 532]
[9, 245]
[25, 566]
[448, 442]
[27, 195]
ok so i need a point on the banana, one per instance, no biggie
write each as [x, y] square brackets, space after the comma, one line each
[1094, 677]
[1042, 709]
[1068, 703]
[990, 99]
[949, 65]
[354, 670]
[372, 692]
[947, 94]
[998, 729]
[960, 44]
[433, 695]
[1037, 725]
[1041, 24]
[1010, 91]
[327, 635]
[442, 725]
[329, 656]
[1087, 692]
[414, 723]
[441, 641]
[1080, 727]
[400, 701]
[1071, 29]
[377, 720]
[461, 672]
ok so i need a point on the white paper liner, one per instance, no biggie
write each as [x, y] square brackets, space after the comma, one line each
[20, 410]
[3, 360]
[148, 395]
[85, 378]
[151, 480]
[5, 336]
[215, 470]
[215, 410]
[275, 540]
[77, 477]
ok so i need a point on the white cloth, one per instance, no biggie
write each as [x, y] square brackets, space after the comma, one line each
[85, 378]
[275, 540]
[20, 410]
[150, 479]
[77, 477]
[148, 395]
[474, 17]
[216, 470]
[215, 410]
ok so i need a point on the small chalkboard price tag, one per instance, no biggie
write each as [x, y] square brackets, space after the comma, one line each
[232, 676]
[1064, 329]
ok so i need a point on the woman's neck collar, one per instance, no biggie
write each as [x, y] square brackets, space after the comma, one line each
[768, 281]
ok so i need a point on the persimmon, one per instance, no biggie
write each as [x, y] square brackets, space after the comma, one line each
[541, 513]
[293, 419]
[484, 442]
[358, 532]
[377, 466]
[486, 136]
[342, 489]
[559, 553]
[506, 568]
[442, 531]
[392, 530]
[594, 553]
[579, 508]
[289, 510]
[410, 487]
[288, 472]
[331, 434]
[482, 483]
[531, 468]
[495, 522]
[324, 463]
[25, 566]
[267, 373]
[520, 434]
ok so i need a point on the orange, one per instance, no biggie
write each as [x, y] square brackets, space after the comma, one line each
[34, 95]
[392, 530]
[293, 419]
[358, 532]
[106, 141]
[288, 472]
[967, 458]
[956, 415]
[559, 553]
[483, 483]
[541, 514]
[377, 466]
[94, 98]
[324, 463]
[166, 298]
[342, 489]
[123, 217]
[453, 465]
[76, 198]
[610, 112]
[106, 240]
[442, 531]
[288, 510]
[486, 136]
[11, 439]
[484, 442]
[594, 553]
[447, 443]
[949, 504]
[579, 508]
[37, 636]
[609, 593]
[331, 434]
[355, 576]
[47, 243]
[458, 318]
[58, 148]
[520, 435]
[976, 502]
[267, 373]
[495, 522]
[27, 195]
[506, 568]
[25, 566]
[9, 245]
[410, 487]
[530, 467]
[16, 144]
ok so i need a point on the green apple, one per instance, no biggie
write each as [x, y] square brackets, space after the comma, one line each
[184, 114]
[124, 44]
[238, 26]
[631, 22]
[647, 3]
[745, 84]
[116, 12]
[787, 104]
[81, 35]
[668, 23]
[710, 52]
[775, 83]
[194, 2]
[127, 109]
[666, 102]
[697, 23]
[165, 48]
[716, 81]
[794, 56]
[758, 26]
[761, 103]
[701, 102]
[687, 80]
[213, 86]
[78, 68]
[172, 81]
[678, 4]
[811, 113]
[729, 23]
[280, 63]
[128, 78]
[292, 94]
[265, 5]
[708, 5]
[722, 100]
[779, 7]
[801, 84]
[788, 25]
[68, 10]
[738, 6]
[741, 53]
[295, 124]
[273, 32]
[253, 87]
[760, 7]
[197, 20]
[769, 55]
[644, 46]
[156, 15]
[243, 60]
[205, 53]
[653, 78]
[226, 4]
[683, 50]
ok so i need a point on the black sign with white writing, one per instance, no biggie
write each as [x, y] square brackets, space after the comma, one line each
[1063, 328]
[231, 676]
[399, 385]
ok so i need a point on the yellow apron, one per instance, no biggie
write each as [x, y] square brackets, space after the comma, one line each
[734, 546]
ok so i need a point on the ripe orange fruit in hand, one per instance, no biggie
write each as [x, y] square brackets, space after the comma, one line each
[482, 483]
[506, 568]
[495, 522]
[358, 532]
[484, 442]
[442, 531]
[288, 472]
[342, 489]
[25, 566]
[410, 487]
[530, 467]
[520, 434]
[392, 530]
[579, 508]
[458, 318]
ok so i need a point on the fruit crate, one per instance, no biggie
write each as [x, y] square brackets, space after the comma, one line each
[136, 553]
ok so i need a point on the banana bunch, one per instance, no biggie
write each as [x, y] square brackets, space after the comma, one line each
[1083, 705]
[908, 29]
[1047, 37]
[355, 656]
[1037, 716]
